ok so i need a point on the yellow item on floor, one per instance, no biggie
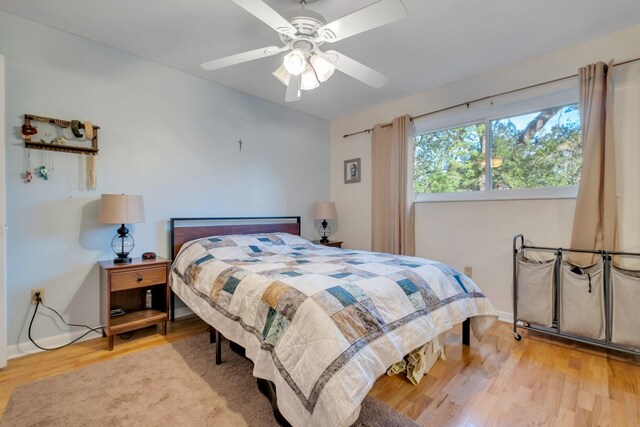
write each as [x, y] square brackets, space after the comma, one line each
[397, 368]
[417, 363]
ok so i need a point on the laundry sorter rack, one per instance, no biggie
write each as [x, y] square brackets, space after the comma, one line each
[597, 305]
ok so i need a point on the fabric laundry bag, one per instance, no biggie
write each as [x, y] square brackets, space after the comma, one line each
[625, 295]
[536, 296]
[582, 300]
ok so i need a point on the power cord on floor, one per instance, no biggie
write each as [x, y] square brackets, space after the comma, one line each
[35, 311]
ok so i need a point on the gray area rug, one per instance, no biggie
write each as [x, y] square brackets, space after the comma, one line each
[175, 384]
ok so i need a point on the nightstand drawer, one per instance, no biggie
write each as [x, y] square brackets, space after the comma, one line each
[138, 278]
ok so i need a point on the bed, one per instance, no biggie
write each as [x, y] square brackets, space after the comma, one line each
[320, 323]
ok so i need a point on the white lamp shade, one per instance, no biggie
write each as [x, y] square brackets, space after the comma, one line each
[283, 75]
[295, 62]
[121, 209]
[325, 210]
[309, 80]
[324, 69]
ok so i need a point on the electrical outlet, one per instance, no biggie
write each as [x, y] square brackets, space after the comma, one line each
[33, 295]
[468, 270]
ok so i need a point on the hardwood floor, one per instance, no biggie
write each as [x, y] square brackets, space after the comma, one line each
[537, 381]
[498, 382]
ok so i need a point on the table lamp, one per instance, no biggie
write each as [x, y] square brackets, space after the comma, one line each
[325, 211]
[121, 209]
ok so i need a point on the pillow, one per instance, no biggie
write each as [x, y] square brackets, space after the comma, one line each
[263, 240]
[292, 239]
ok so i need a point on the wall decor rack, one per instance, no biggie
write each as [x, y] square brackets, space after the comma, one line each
[29, 118]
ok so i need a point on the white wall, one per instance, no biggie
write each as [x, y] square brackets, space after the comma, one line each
[479, 234]
[164, 134]
[3, 289]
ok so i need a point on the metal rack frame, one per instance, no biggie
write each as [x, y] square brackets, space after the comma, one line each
[520, 246]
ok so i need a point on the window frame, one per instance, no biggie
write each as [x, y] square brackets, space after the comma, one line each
[494, 110]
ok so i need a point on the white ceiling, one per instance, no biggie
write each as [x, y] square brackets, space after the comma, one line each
[439, 42]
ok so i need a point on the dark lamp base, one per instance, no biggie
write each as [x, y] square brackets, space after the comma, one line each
[324, 232]
[123, 260]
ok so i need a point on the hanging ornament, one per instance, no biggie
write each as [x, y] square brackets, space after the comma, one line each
[28, 131]
[75, 128]
[43, 172]
[88, 130]
[82, 178]
[59, 140]
[91, 172]
[27, 176]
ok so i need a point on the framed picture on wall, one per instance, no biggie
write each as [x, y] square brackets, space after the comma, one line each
[351, 171]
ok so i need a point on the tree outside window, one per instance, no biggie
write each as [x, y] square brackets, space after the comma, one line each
[534, 150]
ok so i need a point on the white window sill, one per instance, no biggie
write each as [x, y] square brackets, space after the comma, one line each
[500, 195]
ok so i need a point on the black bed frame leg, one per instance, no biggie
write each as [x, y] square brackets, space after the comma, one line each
[466, 332]
[218, 339]
[172, 305]
[212, 334]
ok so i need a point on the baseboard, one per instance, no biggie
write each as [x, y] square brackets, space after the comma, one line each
[25, 348]
[505, 316]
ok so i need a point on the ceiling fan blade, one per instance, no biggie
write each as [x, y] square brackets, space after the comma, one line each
[241, 57]
[266, 14]
[355, 69]
[293, 90]
[376, 15]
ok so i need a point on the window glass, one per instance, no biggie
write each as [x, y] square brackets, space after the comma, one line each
[539, 149]
[450, 160]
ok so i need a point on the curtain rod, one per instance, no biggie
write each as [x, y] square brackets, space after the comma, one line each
[484, 98]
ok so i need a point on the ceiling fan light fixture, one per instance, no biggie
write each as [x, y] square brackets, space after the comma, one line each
[309, 80]
[324, 69]
[283, 75]
[303, 33]
[295, 62]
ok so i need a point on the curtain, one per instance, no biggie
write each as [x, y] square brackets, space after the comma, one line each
[392, 204]
[595, 224]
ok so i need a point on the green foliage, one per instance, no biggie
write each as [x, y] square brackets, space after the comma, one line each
[552, 158]
[449, 160]
[453, 160]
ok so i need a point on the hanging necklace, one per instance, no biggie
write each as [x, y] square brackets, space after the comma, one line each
[91, 172]
[42, 170]
[27, 176]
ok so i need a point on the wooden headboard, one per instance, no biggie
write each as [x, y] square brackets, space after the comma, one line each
[197, 228]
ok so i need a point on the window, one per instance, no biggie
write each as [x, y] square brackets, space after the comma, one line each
[540, 149]
[526, 155]
[450, 160]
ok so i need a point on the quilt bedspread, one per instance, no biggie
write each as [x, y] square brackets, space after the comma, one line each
[322, 323]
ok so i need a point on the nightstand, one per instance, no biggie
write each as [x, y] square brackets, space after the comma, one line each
[125, 286]
[332, 243]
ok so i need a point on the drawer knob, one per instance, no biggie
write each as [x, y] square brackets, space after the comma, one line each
[139, 279]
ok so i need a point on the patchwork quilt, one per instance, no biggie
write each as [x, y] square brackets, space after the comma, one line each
[322, 323]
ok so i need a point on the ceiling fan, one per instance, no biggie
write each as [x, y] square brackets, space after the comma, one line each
[306, 66]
